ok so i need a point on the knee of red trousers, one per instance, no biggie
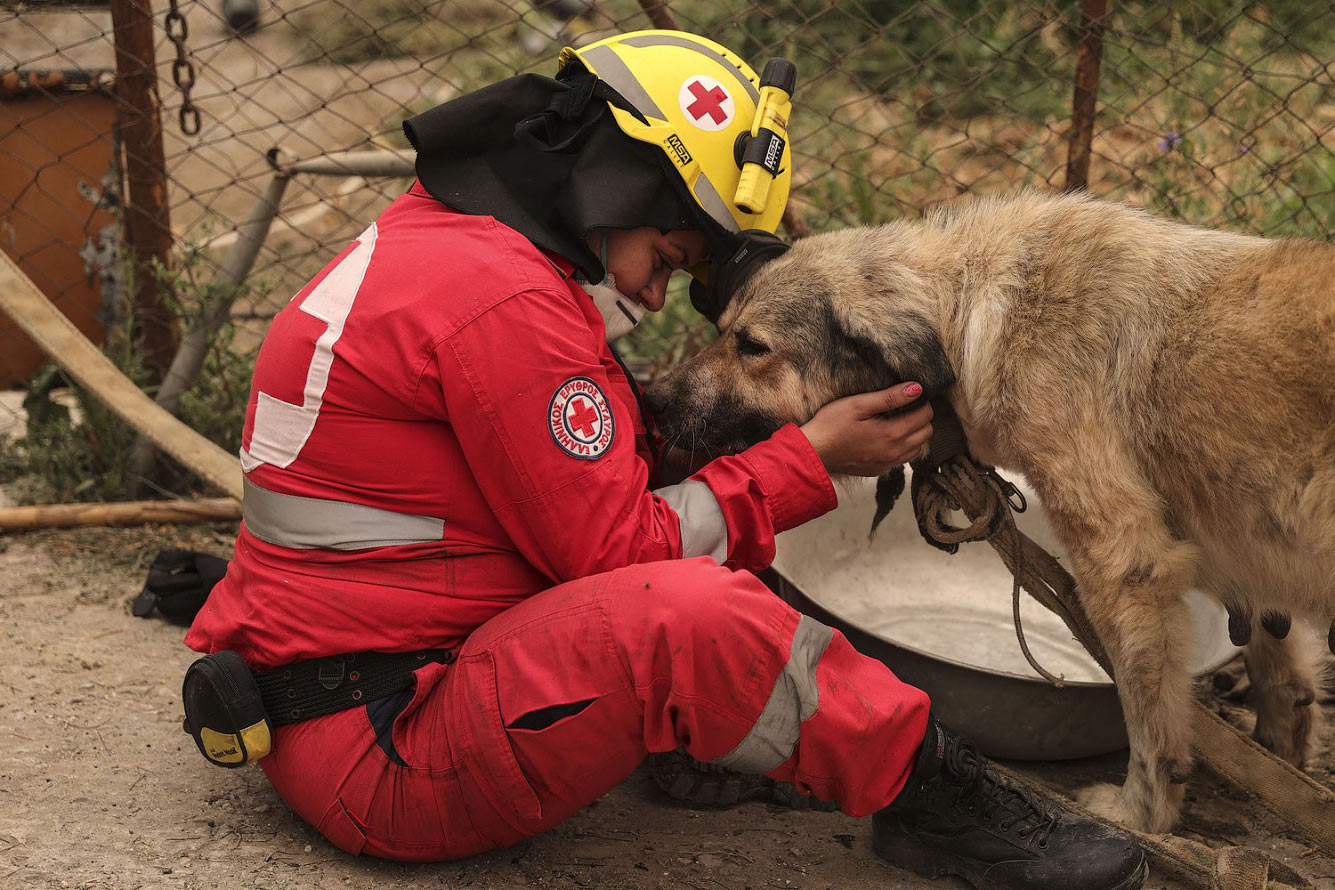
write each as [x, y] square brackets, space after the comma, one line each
[862, 742]
[702, 645]
[707, 646]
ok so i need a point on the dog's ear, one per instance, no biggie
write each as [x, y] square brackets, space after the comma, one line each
[890, 352]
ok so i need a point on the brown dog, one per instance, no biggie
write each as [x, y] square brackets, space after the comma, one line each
[1168, 391]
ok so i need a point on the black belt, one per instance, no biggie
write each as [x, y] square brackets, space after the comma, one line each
[309, 689]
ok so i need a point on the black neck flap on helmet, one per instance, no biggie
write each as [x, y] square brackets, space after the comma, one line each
[545, 157]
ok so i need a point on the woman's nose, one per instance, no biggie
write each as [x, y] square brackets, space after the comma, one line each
[654, 294]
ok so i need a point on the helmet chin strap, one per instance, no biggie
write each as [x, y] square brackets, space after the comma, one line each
[620, 313]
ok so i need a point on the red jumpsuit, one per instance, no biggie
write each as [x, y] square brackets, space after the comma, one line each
[442, 452]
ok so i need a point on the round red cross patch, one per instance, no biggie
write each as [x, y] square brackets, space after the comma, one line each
[706, 103]
[580, 419]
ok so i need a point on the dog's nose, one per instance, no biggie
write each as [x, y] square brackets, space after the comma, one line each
[656, 400]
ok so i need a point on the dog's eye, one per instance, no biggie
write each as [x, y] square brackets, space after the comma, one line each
[747, 346]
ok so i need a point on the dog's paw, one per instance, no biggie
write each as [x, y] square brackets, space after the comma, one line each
[1104, 800]
[1110, 802]
[1289, 732]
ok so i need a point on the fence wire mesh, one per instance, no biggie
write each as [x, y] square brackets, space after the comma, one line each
[1216, 112]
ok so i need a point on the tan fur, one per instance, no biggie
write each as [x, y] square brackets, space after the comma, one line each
[1168, 391]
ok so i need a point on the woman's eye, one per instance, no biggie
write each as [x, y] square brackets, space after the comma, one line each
[748, 346]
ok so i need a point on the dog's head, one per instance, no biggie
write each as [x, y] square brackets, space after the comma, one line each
[838, 314]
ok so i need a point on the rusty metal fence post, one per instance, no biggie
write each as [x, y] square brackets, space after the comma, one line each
[659, 14]
[147, 215]
[1084, 104]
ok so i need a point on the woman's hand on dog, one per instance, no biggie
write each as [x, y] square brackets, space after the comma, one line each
[853, 438]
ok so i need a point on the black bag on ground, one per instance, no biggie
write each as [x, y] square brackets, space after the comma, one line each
[178, 583]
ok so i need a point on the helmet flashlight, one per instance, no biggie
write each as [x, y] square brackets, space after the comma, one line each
[761, 150]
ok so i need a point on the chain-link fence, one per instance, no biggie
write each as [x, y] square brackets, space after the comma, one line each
[125, 186]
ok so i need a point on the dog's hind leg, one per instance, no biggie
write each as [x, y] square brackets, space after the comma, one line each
[1285, 680]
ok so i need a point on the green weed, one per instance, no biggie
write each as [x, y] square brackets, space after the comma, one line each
[74, 448]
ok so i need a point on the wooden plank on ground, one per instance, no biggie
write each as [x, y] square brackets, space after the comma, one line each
[24, 302]
[119, 513]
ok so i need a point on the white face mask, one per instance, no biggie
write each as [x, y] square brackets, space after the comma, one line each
[620, 313]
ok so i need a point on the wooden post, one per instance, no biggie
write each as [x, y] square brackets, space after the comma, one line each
[659, 14]
[147, 216]
[1084, 103]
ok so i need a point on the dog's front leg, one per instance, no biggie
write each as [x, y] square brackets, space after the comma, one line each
[1148, 636]
[1131, 574]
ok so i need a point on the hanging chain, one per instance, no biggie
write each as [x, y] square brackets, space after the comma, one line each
[182, 71]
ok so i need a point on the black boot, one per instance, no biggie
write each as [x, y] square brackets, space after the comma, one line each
[958, 816]
[687, 780]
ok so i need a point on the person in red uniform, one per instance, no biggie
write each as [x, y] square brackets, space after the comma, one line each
[442, 452]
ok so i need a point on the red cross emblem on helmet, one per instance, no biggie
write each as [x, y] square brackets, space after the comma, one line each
[580, 419]
[706, 103]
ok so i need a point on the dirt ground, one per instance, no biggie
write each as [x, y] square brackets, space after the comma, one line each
[99, 788]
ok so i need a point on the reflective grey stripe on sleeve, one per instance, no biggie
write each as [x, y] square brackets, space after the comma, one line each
[303, 523]
[611, 69]
[704, 532]
[794, 699]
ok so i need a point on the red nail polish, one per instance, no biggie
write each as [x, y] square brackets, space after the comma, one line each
[912, 390]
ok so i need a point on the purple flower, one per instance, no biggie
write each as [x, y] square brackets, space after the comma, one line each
[1169, 141]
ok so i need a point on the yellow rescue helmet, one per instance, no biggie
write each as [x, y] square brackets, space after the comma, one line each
[722, 128]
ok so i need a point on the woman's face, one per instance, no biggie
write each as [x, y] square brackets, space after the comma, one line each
[642, 260]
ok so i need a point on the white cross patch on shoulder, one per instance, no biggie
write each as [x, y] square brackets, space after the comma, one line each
[580, 419]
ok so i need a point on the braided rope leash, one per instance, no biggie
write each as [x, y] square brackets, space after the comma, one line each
[989, 501]
[948, 480]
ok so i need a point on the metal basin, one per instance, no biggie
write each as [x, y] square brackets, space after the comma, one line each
[943, 623]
